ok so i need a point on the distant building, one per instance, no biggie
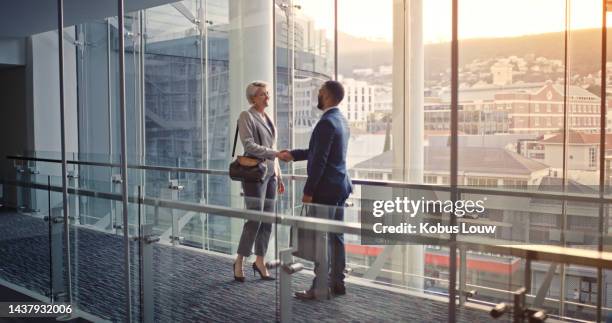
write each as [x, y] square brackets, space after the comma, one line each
[385, 70]
[380, 118]
[358, 102]
[583, 150]
[582, 155]
[306, 117]
[306, 37]
[502, 73]
[363, 71]
[519, 108]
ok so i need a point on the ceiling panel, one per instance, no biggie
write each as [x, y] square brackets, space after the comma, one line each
[19, 18]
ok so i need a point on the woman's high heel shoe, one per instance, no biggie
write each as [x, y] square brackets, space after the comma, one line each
[255, 268]
[236, 278]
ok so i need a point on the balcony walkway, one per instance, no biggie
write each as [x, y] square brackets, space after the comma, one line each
[192, 286]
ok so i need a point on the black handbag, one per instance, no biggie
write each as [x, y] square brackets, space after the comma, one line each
[245, 168]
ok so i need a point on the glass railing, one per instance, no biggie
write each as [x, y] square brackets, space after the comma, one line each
[184, 235]
[37, 261]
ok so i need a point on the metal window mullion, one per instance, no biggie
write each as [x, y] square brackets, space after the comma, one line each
[60, 33]
[453, 161]
[602, 152]
[206, 94]
[336, 39]
[277, 295]
[565, 150]
[292, 93]
[124, 177]
[143, 137]
[109, 91]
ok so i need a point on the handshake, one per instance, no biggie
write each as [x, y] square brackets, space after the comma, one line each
[284, 155]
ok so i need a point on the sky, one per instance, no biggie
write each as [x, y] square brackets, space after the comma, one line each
[477, 18]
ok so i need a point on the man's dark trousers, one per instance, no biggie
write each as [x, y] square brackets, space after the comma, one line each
[336, 252]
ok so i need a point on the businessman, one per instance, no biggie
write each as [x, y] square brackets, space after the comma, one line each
[328, 181]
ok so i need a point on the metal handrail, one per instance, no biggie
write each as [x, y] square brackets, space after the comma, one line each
[480, 287]
[570, 197]
[557, 254]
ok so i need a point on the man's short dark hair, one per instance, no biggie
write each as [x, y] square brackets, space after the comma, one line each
[336, 90]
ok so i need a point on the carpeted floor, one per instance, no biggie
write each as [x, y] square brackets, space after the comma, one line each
[191, 286]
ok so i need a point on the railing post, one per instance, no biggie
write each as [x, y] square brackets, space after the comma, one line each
[56, 229]
[172, 192]
[156, 213]
[527, 279]
[55, 222]
[321, 287]
[462, 274]
[288, 268]
[519, 306]
[56, 259]
[73, 177]
[115, 223]
[286, 312]
[174, 238]
[146, 246]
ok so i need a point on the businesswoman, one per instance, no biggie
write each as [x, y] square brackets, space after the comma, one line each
[258, 137]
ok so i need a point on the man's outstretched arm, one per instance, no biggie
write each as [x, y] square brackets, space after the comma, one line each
[299, 154]
[324, 133]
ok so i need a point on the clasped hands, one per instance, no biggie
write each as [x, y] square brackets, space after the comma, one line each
[284, 155]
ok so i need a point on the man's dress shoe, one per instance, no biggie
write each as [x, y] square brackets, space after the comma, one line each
[305, 295]
[338, 290]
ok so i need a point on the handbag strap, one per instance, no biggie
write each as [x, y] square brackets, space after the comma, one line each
[236, 140]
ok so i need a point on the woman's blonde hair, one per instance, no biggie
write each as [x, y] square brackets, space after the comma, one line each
[251, 89]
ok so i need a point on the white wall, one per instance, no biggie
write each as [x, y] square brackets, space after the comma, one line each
[13, 51]
[42, 75]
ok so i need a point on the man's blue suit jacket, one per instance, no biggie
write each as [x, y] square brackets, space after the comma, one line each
[328, 179]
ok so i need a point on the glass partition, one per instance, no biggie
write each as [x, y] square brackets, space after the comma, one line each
[96, 289]
[30, 240]
[184, 267]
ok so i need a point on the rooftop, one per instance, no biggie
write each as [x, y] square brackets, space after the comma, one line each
[471, 160]
[578, 138]
[488, 92]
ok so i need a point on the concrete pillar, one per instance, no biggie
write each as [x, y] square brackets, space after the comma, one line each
[407, 127]
[250, 58]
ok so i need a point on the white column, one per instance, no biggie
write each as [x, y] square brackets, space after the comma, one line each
[250, 58]
[250, 51]
[407, 127]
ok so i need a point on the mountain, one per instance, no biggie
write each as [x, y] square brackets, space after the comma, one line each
[354, 52]
[584, 51]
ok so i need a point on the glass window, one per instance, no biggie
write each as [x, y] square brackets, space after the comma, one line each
[593, 157]
[431, 179]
